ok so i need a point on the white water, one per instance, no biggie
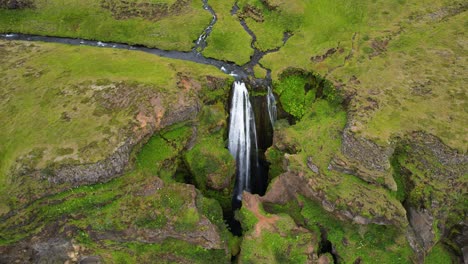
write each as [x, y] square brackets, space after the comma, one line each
[242, 137]
[272, 111]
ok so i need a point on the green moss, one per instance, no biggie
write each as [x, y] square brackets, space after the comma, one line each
[165, 252]
[270, 248]
[246, 218]
[439, 254]
[275, 158]
[211, 164]
[292, 96]
[267, 243]
[384, 244]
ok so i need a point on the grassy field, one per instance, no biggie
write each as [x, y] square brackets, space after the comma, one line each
[135, 23]
[52, 101]
[402, 58]
[228, 41]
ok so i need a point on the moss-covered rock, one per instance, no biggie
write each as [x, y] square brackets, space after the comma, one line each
[431, 178]
[271, 238]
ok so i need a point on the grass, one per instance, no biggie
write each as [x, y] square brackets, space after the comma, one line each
[43, 82]
[88, 19]
[406, 78]
[228, 41]
[270, 31]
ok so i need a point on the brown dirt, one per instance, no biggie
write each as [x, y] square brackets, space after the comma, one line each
[251, 202]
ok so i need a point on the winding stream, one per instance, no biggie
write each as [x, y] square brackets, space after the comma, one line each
[200, 44]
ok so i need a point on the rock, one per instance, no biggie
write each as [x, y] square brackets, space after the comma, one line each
[288, 185]
[325, 259]
[426, 162]
[421, 221]
[364, 159]
[311, 165]
[54, 250]
[90, 260]
[16, 4]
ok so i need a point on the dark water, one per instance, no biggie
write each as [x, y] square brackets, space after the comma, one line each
[200, 44]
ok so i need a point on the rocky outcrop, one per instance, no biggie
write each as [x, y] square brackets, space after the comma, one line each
[16, 4]
[421, 221]
[101, 171]
[189, 223]
[271, 233]
[204, 233]
[365, 159]
[432, 176]
[150, 120]
[287, 186]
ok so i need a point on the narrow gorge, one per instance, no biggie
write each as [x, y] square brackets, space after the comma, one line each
[247, 131]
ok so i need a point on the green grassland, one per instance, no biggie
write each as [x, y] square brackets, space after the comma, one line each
[134, 23]
[401, 58]
[52, 101]
[228, 41]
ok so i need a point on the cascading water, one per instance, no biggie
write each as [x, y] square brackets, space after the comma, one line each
[272, 111]
[242, 138]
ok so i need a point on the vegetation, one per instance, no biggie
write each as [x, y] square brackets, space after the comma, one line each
[141, 200]
[211, 166]
[369, 243]
[273, 238]
[57, 97]
[228, 41]
[132, 22]
[390, 73]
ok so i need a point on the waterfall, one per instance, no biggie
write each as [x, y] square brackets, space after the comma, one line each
[242, 138]
[271, 101]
